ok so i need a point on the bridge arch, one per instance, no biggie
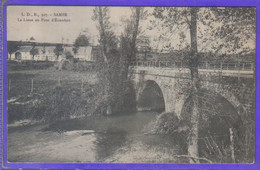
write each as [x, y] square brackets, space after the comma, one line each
[150, 97]
[217, 116]
[227, 95]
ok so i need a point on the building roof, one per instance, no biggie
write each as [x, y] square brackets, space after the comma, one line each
[25, 49]
[34, 43]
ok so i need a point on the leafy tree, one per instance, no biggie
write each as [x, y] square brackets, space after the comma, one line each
[117, 73]
[12, 47]
[32, 39]
[107, 38]
[106, 65]
[34, 51]
[128, 48]
[129, 38]
[58, 50]
[82, 40]
[44, 50]
[214, 29]
[68, 55]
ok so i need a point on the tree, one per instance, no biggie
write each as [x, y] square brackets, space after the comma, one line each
[107, 37]
[34, 51]
[128, 43]
[218, 28]
[12, 47]
[44, 49]
[116, 74]
[174, 20]
[32, 39]
[68, 55]
[82, 40]
[58, 50]
[128, 40]
[107, 65]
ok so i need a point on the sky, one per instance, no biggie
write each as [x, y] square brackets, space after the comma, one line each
[80, 19]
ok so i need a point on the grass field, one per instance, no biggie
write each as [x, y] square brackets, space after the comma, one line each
[20, 82]
[35, 93]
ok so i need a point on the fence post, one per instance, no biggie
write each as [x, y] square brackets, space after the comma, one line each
[32, 86]
[159, 63]
[232, 144]
[82, 85]
[59, 84]
[221, 66]
[9, 87]
[243, 66]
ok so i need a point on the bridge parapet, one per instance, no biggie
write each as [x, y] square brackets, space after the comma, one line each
[203, 65]
[185, 72]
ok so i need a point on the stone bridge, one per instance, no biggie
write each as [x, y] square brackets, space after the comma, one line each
[237, 86]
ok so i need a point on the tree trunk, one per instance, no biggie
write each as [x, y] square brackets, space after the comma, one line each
[127, 61]
[194, 133]
[104, 42]
[102, 34]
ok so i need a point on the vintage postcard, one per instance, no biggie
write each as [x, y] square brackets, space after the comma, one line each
[129, 84]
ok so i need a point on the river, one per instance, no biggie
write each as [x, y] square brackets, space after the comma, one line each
[120, 138]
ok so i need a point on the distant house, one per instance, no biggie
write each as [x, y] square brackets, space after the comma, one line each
[85, 54]
[46, 52]
[22, 54]
[50, 54]
[68, 49]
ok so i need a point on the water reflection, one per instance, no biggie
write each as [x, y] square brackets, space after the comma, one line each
[109, 142]
[95, 139]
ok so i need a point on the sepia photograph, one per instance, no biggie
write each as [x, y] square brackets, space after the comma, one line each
[132, 84]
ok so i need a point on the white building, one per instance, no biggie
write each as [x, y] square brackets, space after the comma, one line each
[46, 53]
[22, 54]
[85, 54]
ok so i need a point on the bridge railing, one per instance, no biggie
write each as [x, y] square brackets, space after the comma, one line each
[204, 65]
